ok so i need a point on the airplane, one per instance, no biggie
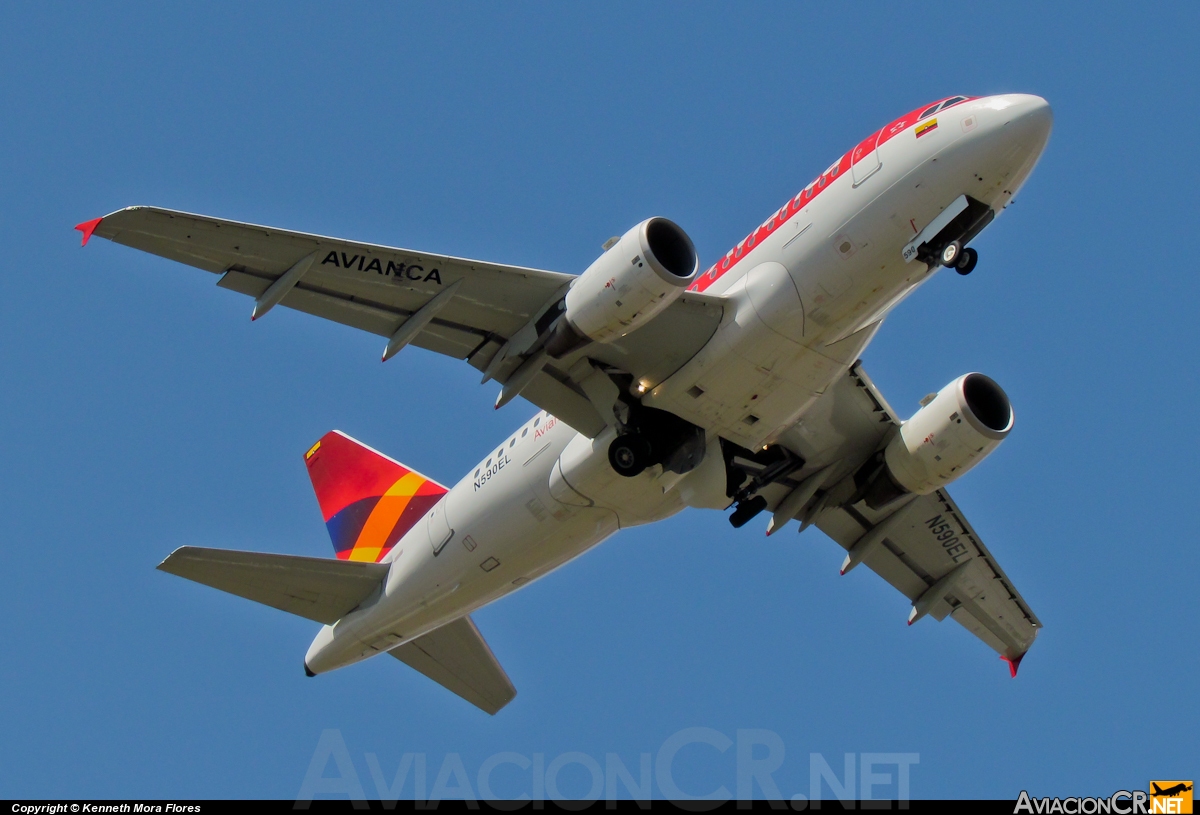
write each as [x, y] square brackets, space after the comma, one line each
[1169, 792]
[660, 386]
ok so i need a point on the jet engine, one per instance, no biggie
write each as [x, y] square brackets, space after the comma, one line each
[950, 434]
[635, 279]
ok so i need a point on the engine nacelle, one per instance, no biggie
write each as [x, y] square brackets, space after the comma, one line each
[635, 279]
[949, 435]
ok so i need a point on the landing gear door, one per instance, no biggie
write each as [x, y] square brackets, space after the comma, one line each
[864, 159]
[438, 525]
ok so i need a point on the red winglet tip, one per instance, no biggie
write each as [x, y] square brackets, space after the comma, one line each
[1013, 664]
[87, 228]
[910, 622]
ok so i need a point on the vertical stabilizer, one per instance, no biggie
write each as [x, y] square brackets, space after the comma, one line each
[368, 500]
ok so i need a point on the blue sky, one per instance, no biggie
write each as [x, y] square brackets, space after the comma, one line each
[142, 410]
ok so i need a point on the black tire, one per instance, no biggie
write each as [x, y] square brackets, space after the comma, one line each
[746, 510]
[629, 454]
[966, 262]
[951, 252]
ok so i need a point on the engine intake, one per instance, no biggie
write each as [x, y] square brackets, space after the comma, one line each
[639, 276]
[949, 435]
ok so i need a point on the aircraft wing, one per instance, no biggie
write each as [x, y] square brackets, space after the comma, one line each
[318, 589]
[926, 549]
[933, 550]
[457, 658]
[378, 288]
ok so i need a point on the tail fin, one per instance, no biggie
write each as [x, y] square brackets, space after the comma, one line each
[368, 500]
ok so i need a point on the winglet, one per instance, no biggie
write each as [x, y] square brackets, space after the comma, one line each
[87, 228]
[1013, 664]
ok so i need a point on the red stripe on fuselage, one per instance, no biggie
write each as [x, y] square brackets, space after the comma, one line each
[864, 148]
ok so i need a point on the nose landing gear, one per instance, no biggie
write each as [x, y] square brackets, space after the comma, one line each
[966, 264]
[959, 258]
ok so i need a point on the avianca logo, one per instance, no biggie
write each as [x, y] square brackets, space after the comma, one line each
[363, 264]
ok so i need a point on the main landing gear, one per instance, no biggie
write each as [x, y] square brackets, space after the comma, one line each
[746, 510]
[629, 454]
[959, 258]
[652, 436]
[748, 471]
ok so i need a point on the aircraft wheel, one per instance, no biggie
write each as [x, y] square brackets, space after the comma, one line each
[951, 253]
[746, 510]
[629, 454]
[966, 262]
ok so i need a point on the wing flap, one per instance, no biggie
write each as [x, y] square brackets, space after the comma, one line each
[498, 298]
[315, 588]
[552, 395]
[218, 244]
[377, 288]
[372, 316]
[928, 544]
[457, 658]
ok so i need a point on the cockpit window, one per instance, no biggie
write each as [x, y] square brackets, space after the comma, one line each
[929, 111]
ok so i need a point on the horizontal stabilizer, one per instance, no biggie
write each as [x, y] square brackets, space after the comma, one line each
[314, 588]
[457, 658]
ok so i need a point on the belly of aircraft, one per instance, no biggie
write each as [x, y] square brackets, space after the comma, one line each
[763, 370]
[508, 530]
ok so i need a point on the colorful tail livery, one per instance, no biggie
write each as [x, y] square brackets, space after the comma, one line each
[367, 499]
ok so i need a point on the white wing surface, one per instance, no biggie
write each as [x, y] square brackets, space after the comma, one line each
[379, 288]
[926, 549]
[933, 548]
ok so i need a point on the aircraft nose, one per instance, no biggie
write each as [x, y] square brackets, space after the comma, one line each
[1034, 113]
[1026, 116]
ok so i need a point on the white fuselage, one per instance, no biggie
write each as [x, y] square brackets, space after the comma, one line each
[804, 295]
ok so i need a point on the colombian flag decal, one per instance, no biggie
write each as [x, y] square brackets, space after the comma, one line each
[368, 500]
[928, 127]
